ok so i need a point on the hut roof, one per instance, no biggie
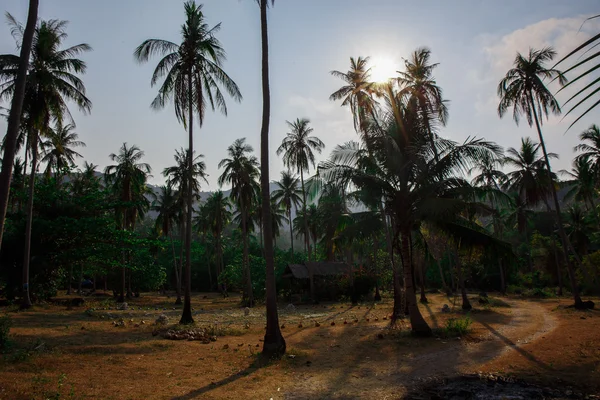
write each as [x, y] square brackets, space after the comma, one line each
[301, 271]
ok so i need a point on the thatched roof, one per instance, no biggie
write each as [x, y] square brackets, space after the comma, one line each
[301, 271]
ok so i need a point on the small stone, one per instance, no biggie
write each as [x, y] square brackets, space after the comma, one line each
[380, 336]
[332, 323]
[246, 311]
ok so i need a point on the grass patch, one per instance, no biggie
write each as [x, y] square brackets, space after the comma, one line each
[457, 326]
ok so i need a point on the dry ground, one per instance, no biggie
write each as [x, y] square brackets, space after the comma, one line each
[62, 353]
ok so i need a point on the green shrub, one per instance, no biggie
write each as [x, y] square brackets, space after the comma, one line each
[5, 324]
[458, 326]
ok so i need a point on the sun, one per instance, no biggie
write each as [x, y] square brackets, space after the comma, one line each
[382, 69]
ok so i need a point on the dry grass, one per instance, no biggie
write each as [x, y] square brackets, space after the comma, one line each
[71, 354]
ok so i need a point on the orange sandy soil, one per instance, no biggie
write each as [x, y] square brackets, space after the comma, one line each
[66, 354]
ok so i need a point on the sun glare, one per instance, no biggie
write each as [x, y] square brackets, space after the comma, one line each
[382, 69]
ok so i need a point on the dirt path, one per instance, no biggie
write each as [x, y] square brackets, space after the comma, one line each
[358, 367]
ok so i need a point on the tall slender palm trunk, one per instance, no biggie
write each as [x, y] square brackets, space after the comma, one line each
[563, 236]
[305, 217]
[248, 295]
[417, 322]
[14, 119]
[291, 230]
[273, 344]
[186, 316]
[26, 301]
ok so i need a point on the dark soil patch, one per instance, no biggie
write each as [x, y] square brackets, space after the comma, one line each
[491, 387]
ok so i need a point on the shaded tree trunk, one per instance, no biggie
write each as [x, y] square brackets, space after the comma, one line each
[305, 217]
[291, 231]
[418, 325]
[563, 236]
[248, 295]
[70, 280]
[179, 275]
[376, 269]
[186, 316]
[466, 304]
[26, 301]
[273, 344]
[14, 119]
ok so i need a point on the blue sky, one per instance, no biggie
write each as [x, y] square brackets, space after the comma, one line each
[474, 42]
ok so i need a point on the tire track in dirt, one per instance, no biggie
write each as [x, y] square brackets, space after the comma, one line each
[387, 375]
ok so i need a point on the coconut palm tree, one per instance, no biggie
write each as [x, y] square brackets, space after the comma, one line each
[297, 149]
[583, 184]
[523, 90]
[590, 148]
[274, 344]
[287, 196]
[529, 177]
[127, 179]
[278, 218]
[57, 150]
[193, 78]
[358, 91]
[240, 170]
[178, 177]
[417, 186]
[51, 82]
[20, 68]
[418, 82]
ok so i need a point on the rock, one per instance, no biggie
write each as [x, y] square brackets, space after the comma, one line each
[246, 311]
[162, 320]
[225, 346]
[484, 300]
[290, 308]
[332, 323]
[380, 336]
[445, 308]
[122, 306]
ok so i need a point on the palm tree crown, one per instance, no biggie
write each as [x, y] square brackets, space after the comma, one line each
[199, 59]
[298, 146]
[58, 152]
[358, 91]
[523, 87]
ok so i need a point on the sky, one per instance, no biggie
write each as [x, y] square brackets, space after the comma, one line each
[474, 42]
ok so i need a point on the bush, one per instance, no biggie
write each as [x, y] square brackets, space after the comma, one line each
[5, 324]
[458, 326]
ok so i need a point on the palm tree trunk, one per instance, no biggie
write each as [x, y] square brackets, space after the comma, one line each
[248, 295]
[306, 238]
[563, 237]
[14, 119]
[418, 324]
[177, 279]
[466, 304]
[70, 280]
[179, 276]
[376, 268]
[273, 344]
[26, 302]
[186, 316]
[291, 231]
[80, 280]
